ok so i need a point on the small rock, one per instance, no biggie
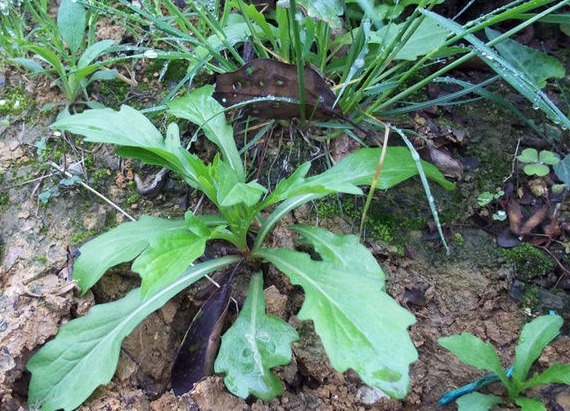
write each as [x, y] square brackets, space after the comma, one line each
[275, 301]
[370, 395]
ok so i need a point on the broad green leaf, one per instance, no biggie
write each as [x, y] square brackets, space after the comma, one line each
[505, 69]
[196, 225]
[534, 337]
[85, 352]
[427, 37]
[232, 194]
[360, 326]
[476, 401]
[555, 374]
[71, 21]
[126, 127]
[130, 128]
[253, 345]
[169, 253]
[358, 168]
[123, 243]
[535, 64]
[93, 52]
[324, 10]
[203, 110]
[562, 170]
[231, 191]
[471, 350]
[529, 404]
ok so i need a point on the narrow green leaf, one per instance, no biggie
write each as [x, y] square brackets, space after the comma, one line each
[85, 352]
[475, 352]
[93, 52]
[555, 374]
[529, 404]
[476, 401]
[361, 327]
[535, 64]
[103, 75]
[29, 64]
[253, 345]
[123, 243]
[49, 57]
[71, 21]
[203, 110]
[534, 337]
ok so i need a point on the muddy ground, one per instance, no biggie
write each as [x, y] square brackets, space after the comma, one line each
[472, 289]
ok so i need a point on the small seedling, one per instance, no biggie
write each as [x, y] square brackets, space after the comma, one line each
[535, 336]
[537, 163]
[485, 198]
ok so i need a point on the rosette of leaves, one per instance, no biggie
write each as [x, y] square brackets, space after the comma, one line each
[360, 325]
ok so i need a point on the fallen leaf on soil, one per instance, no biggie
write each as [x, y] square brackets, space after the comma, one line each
[278, 83]
[444, 162]
[196, 356]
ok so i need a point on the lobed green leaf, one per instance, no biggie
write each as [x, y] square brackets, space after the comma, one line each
[360, 326]
[254, 344]
[555, 374]
[123, 243]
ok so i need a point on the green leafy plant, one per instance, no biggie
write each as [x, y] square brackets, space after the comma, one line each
[535, 336]
[486, 198]
[62, 50]
[388, 51]
[361, 327]
[537, 163]
[12, 26]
